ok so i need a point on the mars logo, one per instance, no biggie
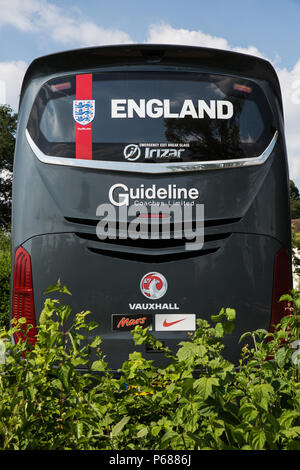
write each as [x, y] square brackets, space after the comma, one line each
[153, 285]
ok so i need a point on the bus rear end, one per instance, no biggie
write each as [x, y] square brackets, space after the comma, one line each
[170, 135]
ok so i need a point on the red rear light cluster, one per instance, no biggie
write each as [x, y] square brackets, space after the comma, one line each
[22, 301]
[282, 284]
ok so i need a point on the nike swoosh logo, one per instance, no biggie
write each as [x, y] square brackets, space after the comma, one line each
[166, 324]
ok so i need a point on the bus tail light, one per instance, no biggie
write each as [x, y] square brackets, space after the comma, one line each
[22, 301]
[282, 284]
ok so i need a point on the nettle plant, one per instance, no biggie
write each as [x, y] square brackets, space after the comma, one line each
[47, 403]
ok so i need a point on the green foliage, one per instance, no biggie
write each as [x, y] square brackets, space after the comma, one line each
[294, 191]
[46, 403]
[5, 267]
[295, 208]
[8, 127]
[295, 249]
[294, 201]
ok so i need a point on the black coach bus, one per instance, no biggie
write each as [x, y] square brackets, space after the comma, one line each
[111, 128]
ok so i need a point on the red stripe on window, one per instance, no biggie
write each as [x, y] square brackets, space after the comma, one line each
[84, 134]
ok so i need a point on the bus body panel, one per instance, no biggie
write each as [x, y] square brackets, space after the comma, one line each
[246, 212]
[202, 285]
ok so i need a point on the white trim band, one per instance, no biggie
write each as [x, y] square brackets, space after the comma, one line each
[157, 168]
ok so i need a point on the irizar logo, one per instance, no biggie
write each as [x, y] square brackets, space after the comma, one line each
[154, 108]
[132, 152]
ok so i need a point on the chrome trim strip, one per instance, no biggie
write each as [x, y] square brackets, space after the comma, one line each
[154, 167]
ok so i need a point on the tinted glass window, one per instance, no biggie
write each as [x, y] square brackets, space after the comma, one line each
[154, 117]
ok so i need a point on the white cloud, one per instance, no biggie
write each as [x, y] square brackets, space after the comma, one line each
[11, 74]
[290, 87]
[166, 34]
[251, 50]
[74, 29]
[18, 13]
[47, 19]
[50, 20]
[289, 81]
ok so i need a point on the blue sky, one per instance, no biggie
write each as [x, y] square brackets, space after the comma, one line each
[271, 26]
[30, 28]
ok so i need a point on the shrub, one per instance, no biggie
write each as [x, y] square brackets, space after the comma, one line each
[5, 268]
[46, 403]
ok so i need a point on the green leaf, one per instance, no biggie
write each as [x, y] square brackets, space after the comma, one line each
[72, 337]
[63, 373]
[55, 383]
[219, 330]
[119, 426]
[47, 311]
[228, 327]
[170, 436]
[206, 410]
[261, 394]
[257, 439]
[293, 445]
[155, 430]
[248, 412]
[79, 430]
[238, 434]
[245, 335]
[95, 342]
[57, 287]
[280, 356]
[204, 386]
[287, 417]
[230, 314]
[190, 351]
[292, 433]
[98, 365]
[219, 317]
[286, 297]
[142, 433]
[52, 288]
[54, 337]
[64, 313]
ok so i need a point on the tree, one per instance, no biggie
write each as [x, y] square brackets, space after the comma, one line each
[295, 208]
[8, 127]
[294, 201]
[294, 191]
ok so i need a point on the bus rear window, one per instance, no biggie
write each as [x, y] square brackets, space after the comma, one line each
[151, 117]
